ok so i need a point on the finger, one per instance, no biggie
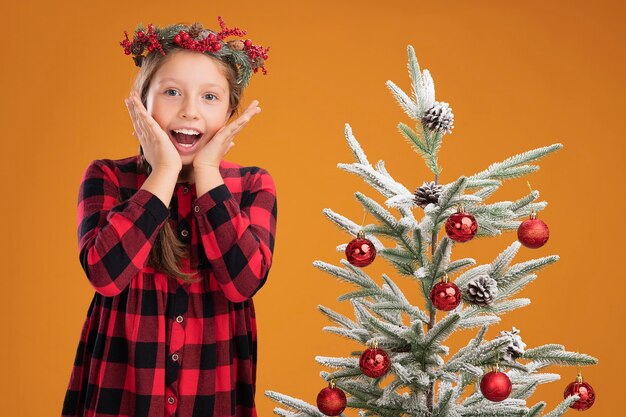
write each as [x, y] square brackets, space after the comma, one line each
[251, 111]
[245, 118]
[141, 118]
[142, 130]
[253, 104]
[129, 107]
[149, 124]
[133, 118]
[139, 126]
[235, 127]
[134, 111]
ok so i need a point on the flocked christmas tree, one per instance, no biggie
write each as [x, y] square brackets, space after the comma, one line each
[404, 344]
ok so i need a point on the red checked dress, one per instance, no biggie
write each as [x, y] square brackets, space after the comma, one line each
[153, 345]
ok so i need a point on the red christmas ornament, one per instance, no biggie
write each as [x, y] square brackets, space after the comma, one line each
[584, 391]
[533, 233]
[496, 386]
[445, 295]
[360, 251]
[331, 401]
[461, 226]
[374, 362]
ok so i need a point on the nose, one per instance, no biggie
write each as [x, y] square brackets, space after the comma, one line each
[188, 109]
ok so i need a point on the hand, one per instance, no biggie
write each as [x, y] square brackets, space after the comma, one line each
[215, 149]
[158, 149]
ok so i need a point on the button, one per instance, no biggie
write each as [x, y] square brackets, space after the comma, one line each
[175, 357]
[179, 319]
[184, 233]
[185, 190]
[196, 208]
[171, 400]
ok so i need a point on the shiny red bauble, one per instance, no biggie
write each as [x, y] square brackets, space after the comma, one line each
[445, 296]
[331, 401]
[374, 362]
[461, 226]
[496, 386]
[584, 391]
[533, 233]
[360, 251]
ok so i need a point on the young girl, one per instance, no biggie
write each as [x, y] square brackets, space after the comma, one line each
[175, 240]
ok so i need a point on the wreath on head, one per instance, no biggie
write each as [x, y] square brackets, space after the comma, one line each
[244, 55]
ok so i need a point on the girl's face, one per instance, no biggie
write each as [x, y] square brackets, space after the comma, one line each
[189, 92]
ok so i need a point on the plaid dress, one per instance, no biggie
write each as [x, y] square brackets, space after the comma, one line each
[153, 345]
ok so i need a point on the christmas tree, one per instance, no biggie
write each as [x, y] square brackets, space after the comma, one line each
[403, 343]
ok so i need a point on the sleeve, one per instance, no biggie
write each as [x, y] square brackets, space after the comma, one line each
[239, 240]
[114, 238]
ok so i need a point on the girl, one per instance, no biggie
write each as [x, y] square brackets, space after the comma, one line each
[175, 240]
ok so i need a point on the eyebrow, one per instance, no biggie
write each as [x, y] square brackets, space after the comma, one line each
[161, 81]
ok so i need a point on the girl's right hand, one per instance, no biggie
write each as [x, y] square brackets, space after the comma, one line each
[158, 150]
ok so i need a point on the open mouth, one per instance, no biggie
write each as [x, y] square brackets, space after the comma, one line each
[186, 138]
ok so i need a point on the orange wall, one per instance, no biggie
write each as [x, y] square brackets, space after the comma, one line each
[518, 75]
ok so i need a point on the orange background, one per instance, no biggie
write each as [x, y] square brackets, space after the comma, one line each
[518, 75]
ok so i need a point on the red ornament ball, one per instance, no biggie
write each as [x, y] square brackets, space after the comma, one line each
[445, 296]
[331, 401]
[360, 251]
[584, 391]
[461, 226]
[533, 233]
[374, 362]
[496, 386]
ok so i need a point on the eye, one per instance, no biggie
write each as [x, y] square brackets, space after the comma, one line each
[168, 91]
[210, 97]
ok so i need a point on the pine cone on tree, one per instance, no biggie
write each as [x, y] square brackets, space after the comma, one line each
[481, 290]
[428, 193]
[439, 118]
[515, 348]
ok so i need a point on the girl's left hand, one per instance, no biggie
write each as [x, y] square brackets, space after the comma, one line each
[212, 153]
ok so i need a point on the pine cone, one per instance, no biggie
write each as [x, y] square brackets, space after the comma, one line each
[482, 290]
[428, 193]
[258, 62]
[235, 45]
[137, 48]
[516, 346]
[439, 118]
[195, 30]
[138, 60]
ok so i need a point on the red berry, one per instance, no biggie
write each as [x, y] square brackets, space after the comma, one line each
[150, 48]
[177, 39]
[140, 34]
[248, 43]
[216, 46]
[185, 36]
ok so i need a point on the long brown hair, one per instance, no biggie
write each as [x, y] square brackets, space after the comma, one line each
[168, 250]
